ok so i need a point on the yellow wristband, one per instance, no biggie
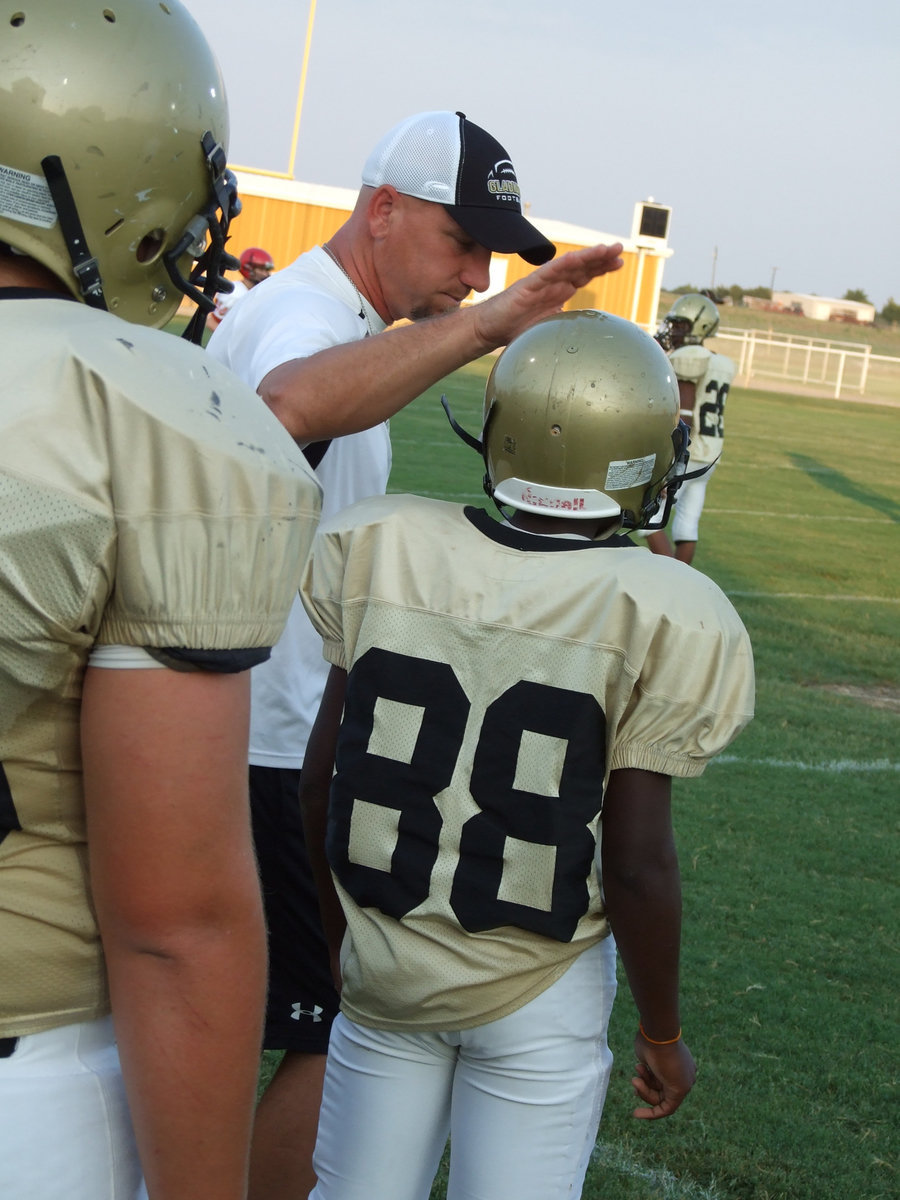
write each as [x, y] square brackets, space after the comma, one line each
[654, 1042]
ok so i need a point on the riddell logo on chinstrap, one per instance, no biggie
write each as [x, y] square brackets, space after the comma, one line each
[536, 500]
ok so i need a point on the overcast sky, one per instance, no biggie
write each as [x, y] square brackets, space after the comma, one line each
[770, 128]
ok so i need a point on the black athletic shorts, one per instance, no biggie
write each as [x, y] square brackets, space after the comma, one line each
[302, 1000]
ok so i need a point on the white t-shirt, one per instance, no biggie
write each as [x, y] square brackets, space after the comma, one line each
[299, 311]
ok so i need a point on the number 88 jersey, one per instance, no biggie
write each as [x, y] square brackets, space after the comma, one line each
[494, 680]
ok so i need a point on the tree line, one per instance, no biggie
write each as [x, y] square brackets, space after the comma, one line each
[890, 314]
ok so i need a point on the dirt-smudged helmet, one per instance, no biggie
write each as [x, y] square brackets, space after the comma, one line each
[113, 153]
[581, 419]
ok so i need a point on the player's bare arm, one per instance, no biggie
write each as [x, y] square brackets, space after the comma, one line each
[687, 392]
[642, 887]
[175, 889]
[347, 388]
[315, 784]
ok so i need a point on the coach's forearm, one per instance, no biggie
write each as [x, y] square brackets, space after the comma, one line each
[349, 388]
[356, 386]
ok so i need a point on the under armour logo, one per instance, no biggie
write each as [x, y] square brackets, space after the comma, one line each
[299, 1011]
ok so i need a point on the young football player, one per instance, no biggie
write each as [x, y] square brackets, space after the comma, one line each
[439, 194]
[704, 379]
[155, 517]
[507, 704]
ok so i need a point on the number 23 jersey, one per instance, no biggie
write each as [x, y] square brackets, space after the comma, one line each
[712, 374]
[495, 678]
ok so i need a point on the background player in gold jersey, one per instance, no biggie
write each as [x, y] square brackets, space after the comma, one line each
[155, 517]
[511, 692]
[704, 380]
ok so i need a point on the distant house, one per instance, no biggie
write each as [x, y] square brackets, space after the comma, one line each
[824, 308]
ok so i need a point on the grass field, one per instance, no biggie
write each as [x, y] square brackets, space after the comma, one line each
[787, 843]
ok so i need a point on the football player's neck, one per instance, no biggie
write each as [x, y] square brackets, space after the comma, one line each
[19, 271]
[531, 522]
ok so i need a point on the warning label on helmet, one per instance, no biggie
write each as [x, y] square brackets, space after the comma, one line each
[629, 473]
[25, 197]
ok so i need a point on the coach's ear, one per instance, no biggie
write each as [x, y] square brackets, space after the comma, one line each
[381, 210]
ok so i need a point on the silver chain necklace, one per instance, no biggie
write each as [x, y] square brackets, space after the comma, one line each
[363, 310]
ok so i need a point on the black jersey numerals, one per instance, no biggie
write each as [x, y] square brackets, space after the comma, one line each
[9, 819]
[712, 412]
[511, 823]
[409, 788]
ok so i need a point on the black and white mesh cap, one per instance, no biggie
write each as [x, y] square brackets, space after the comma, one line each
[443, 157]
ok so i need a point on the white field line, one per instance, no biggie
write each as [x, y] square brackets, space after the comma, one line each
[814, 596]
[845, 766]
[757, 467]
[615, 1160]
[819, 518]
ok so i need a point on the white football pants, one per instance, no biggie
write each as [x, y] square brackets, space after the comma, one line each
[65, 1124]
[520, 1099]
[685, 523]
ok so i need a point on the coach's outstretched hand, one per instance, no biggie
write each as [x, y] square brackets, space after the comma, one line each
[357, 385]
[665, 1075]
[542, 293]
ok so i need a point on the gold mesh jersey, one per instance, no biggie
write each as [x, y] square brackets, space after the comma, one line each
[712, 374]
[149, 499]
[495, 679]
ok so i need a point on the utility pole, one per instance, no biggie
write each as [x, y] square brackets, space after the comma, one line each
[712, 282]
[772, 284]
[296, 134]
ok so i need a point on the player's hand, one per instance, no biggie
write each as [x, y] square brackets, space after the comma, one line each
[542, 293]
[665, 1075]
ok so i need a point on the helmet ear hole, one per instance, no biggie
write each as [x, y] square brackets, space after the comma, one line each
[150, 246]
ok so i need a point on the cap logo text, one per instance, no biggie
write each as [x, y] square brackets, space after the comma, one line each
[502, 182]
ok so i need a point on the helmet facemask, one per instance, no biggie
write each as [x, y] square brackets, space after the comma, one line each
[207, 276]
[691, 318]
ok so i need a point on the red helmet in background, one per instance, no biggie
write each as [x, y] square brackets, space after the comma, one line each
[255, 257]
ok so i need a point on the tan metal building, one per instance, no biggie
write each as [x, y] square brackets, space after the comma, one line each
[286, 217]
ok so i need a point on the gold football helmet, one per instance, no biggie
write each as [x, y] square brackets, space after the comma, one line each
[702, 319]
[581, 420]
[112, 167]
